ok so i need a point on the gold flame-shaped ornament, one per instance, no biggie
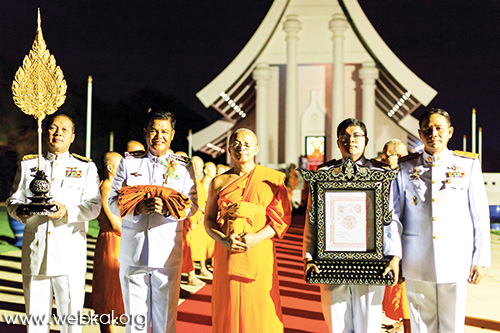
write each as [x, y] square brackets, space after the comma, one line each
[39, 88]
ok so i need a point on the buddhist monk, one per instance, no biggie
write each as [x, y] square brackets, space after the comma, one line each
[106, 290]
[209, 172]
[395, 304]
[188, 226]
[202, 245]
[134, 145]
[247, 207]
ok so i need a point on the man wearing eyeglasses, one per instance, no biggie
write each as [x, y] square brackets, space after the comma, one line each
[349, 308]
[441, 211]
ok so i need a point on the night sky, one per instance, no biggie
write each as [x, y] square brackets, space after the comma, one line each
[177, 47]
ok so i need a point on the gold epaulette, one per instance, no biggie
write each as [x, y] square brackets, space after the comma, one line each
[329, 163]
[81, 158]
[409, 157]
[181, 159]
[380, 164]
[29, 157]
[135, 154]
[465, 154]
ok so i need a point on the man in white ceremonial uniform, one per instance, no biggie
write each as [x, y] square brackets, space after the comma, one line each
[54, 251]
[441, 211]
[349, 308]
[151, 244]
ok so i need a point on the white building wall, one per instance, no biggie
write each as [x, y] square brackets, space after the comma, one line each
[273, 115]
[352, 91]
[385, 130]
[314, 52]
[492, 184]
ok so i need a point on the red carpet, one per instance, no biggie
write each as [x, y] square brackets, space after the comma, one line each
[300, 302]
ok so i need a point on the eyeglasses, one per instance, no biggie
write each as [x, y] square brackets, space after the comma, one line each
[347, 137]
[238, 145]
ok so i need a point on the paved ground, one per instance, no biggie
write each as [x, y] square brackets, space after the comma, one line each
[483, 303]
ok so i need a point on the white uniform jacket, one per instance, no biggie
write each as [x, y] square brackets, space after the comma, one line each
[57, 247]
[153, 240]
[441, 212]
[310, 241]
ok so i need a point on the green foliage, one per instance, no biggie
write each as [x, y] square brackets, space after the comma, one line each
[93, 229]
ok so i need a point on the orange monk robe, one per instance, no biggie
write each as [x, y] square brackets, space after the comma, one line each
[189, 237]
[202, 245]
[395, 304]
[249, 301]
[106, 290]
[187, 258]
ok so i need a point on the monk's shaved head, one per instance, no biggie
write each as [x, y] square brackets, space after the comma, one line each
[133, 145]
[198, 166]
[245, 131]
[112, 158]
[182, 153]
[111, 161]
[210, 170]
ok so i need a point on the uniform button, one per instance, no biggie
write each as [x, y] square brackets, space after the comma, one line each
[434, 218]
[433, 199]
[53, 179]
[448, 181]
[439, 158]
[434, 182]
[429, 159]
[50, 232]
[434, 165]
[435, 237]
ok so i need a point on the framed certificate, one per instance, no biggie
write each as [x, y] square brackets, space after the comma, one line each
[349, 208]
[349, 221]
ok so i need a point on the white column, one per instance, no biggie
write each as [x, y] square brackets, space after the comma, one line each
[89, 118]
[338, 25]
[292, 27]
[473, 136]
[111, 141]
[261, 75]
[480, 144]
[368, 74]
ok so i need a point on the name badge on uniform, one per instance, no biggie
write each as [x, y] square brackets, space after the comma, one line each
[73, 173]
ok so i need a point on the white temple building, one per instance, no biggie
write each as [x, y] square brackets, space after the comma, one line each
[309, 65]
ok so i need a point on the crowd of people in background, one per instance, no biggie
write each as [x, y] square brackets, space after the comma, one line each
[162, 214]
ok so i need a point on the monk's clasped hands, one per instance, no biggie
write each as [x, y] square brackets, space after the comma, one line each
[235, 243]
